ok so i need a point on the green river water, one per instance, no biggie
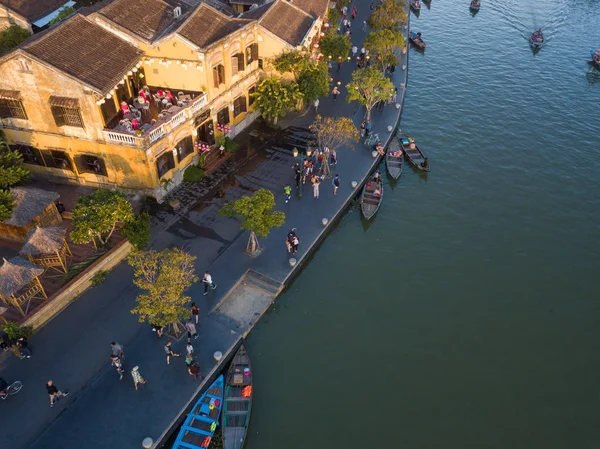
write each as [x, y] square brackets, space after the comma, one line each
[466, 314]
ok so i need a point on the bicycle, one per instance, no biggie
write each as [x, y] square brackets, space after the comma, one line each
[13, 388]
[372, 139]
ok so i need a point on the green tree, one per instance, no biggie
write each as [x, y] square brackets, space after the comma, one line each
[291, 61]
[11, 37]
[257, 216]
[63, 14]
[385, 44]
[314, 82]
[95, 216]
[389, 14]
[275, 97]
[335, 46]
[7, 205]
[164, 277]
[137, 230]
[331, 133]
[369, 86]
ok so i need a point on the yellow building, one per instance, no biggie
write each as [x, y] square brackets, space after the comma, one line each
[125, 96]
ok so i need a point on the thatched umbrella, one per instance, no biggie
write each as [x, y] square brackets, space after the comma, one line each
[47, 247]
[19, 282]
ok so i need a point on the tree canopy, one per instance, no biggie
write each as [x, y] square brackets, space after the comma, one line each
[164, 277]
[368, 87]
[95, 216]
[389, 14]
[275, 97]
[257, 215]
[385, 44]
[11, 37]
[333, 132]
[291, 61]
[335, 46]
[12, 172]
[314, 82]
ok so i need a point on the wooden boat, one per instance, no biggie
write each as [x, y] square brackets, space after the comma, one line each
[417, 41]
[369, 200]
[412, 152]
[394, 158]
[537, 39]
[238, 401]
[475, 5]
[595, 57]
[200, 425]
[415, 4]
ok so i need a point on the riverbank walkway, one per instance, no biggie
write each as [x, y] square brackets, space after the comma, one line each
[73, 349]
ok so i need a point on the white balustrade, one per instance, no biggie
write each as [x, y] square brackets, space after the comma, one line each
[179, 118]
[199, 103]
[156, 133]
[118, 137]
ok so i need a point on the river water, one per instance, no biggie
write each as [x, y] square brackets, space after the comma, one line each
[466, 313]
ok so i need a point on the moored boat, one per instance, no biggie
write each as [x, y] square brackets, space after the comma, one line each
[238, 401]
[413, 153]
[394, 158]
[200, 425]
[417, 40]
[475, 5]
[372, 195]
[595, 53]
[415, 4]
[537, 39]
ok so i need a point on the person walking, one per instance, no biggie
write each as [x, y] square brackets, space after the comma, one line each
[189, 349]
[158, 329]
[54, 393]
[336, 183]
[191, 328]
[117, 350]
[363, 53]
[194, 370]
[287, 190]
[317, 105]
[295, 244]
[195, 310]
[333, 157]
[335, 92]
[297, 175]
[354, 12]
[354, 50]
[116, 362]
[170, 353]
[316, 182]
[367, 128]
[345, 11]
[364, 25]
[345, 23]
[137, 377]
[363, 128]
[208, 283]
[24, 349]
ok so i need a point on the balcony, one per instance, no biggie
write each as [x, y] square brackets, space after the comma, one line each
[154, 118]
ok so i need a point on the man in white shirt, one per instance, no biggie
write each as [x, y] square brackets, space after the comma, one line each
[208, 283]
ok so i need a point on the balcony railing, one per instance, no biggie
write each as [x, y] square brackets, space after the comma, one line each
[159, 129]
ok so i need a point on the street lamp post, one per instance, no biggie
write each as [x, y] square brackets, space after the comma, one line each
[300, 158]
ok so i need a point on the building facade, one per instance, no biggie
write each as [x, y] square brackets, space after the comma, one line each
[129, 96]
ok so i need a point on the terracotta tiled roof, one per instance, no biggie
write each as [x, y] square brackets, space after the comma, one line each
[257, 13]
[147, 19]
[87, 52]
[287, 22]
[33, 9]
[207, 25]
[316, 8]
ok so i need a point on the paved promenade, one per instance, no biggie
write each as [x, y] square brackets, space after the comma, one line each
[73, 349]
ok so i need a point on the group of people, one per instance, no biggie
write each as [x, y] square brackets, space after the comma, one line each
[292, 242]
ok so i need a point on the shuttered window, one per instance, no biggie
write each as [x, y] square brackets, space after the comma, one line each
[252, 53]
[164, 163]
[31, 155]
[66, 111]
[185, 147]
[251, 98]
[218, 75]
[239, 105]
[237, 63]
[11, 105]
[91, 164]
[223, 116]
[57, 159]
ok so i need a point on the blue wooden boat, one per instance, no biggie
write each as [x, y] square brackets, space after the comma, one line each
[238, 401]
[537, 39]
[417, 40]
[595, 57]
[199, 427]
